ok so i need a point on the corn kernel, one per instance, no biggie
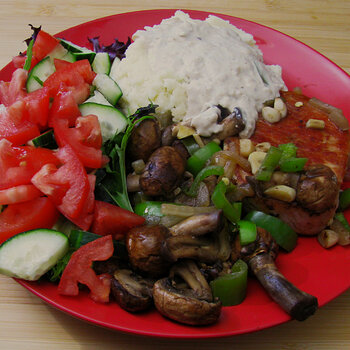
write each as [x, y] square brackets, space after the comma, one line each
[315, 124]
[225, 180]
[185, 131]
[282, 192]
[255, 159]
[299, 104]
[263, 146]
[280, 106]
[328, 238]
[246, 147]
[199, 140]
[270, 114]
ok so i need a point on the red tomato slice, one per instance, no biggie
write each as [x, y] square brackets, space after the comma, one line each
[44, 43]
[111, 219]
[64, 106]
[11, 91]
[77, 75]
[14, 125]
[59, 64]
[30, 215]
[37, 105]
[86, 132]
[84, 220]
[68, 186]
[19, 194]
[79, 270]
[19, 164]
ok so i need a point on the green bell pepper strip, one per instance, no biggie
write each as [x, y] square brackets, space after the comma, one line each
[247, 232]
[293, 164]
[344, 199]
[231, 288]
[283, 234]
[289, 150]
[190, 144]
[340, 217]
[197, 161]
[149, 208]
[28, 60]
[231, 211]
[269, 164]
[205, 172]
[289, 162]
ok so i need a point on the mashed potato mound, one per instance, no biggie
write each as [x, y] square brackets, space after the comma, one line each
[188, 67]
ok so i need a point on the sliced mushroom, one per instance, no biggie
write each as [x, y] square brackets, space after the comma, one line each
[207, 248]
[260, 256]
[198, 225]
[131, 291]
[144, 140]
[190, 303]
[163, 172]
[317, 191]
[233, 124]
[144, 245]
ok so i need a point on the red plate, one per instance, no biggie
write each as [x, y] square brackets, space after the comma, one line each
[323, 273]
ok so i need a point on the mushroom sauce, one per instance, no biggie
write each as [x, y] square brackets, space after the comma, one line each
[188, 67]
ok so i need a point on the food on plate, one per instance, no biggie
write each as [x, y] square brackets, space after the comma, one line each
[235, 74]
[164, 177]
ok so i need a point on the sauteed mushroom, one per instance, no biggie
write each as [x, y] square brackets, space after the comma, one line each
[260, 256]
[190, 302]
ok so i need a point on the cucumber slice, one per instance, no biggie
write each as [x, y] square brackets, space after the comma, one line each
[111, 120]
[84, 55]
[79, 52]
[98, 98]
[73, 47]
[58, 52]
[108, 88]
[69, 57]
[101, 63]
[45, 140]
[113, 71]
[29, 255]
[39, 74]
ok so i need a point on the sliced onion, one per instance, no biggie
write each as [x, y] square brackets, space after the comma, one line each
[334, 114]
[184, 211]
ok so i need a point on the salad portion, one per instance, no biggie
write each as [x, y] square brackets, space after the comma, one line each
[144, 210]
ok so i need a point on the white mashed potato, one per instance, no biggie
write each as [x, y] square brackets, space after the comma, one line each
[188, 67]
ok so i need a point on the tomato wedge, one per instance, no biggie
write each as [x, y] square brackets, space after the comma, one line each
[30, 215]
[67, 186]
[79, 270]
[111, 219]
[78, 76]
[85, 218]
[44, 43]
[19, 194]
[14, 125]
[11, 91]
[19, 164]
[85, 139]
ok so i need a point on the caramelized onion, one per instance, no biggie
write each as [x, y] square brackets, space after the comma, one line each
[334, 114]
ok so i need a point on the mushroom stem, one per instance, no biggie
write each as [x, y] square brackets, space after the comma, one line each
[198, 225]
[298, 304]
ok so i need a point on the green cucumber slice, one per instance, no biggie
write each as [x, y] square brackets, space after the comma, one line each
[108, 88]
[29, 255]
[101, 63]
[39, 74]
[97, 97]
[111, 120]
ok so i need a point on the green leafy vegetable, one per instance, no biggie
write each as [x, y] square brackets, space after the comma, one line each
[112, 185]
[28, 61]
